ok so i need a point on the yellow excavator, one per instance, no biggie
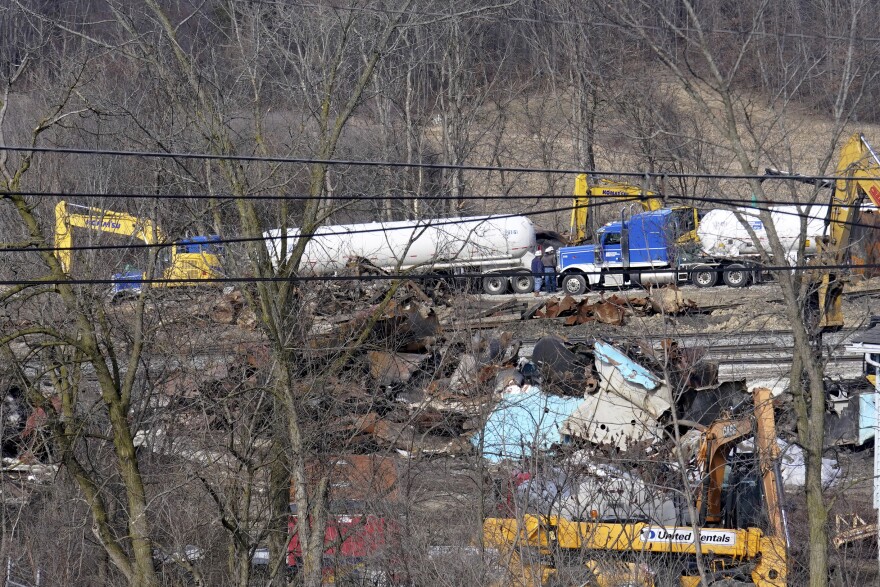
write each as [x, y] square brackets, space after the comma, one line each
[584, 194]
[861, 168]
[190, 260]
[553, 550]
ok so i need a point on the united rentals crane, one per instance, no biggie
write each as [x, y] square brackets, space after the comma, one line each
[607, 553]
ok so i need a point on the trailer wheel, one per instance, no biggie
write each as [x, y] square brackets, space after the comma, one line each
[736, 275]
[522, 284]
[495, 284]
[704, 276]
[574, 284]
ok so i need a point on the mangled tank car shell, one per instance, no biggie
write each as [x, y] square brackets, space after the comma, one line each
[485, 241]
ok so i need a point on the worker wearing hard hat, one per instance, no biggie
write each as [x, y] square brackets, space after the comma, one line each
[548, 259]
[537, 273]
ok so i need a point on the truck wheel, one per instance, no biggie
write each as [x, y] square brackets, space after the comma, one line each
[574, 284]
[495, 284]
[522, 284]
[735, 275]
[704, 276]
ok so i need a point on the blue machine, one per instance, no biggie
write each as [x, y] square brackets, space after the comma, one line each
[200, 244]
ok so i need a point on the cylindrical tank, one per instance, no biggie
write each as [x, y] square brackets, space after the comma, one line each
[723, 235]
[436, 243]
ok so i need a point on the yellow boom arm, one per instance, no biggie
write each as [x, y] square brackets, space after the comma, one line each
[101, 220]
[859, 164]
[584, 192]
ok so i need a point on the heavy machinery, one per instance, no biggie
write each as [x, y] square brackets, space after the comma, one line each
[861, 168]
[652, 248]
[584, 194]
[859, 173]
[645, 249]
[739, 544]
[189, 261]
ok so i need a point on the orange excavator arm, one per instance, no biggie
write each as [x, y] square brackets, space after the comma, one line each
[721, 436]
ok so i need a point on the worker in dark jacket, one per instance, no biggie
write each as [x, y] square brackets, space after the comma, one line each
[548, 259]
[538, 273]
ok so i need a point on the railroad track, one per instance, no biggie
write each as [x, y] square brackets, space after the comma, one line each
[752, 354]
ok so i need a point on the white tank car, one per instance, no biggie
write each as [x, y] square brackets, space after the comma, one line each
[486, 242]
[722, 235]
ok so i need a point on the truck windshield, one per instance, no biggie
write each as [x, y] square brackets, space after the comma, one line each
[611, 238]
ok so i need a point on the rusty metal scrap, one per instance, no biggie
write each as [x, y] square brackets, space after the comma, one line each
[580, 312]
[608, 313]
[611, 310]
[419, 390]
[355, 477]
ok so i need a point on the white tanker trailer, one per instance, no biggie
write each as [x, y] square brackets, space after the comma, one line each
[723, 235]
[493, 246]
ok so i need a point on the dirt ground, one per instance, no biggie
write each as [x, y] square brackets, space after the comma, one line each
[720, 310]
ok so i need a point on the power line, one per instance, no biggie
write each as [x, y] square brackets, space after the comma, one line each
[401, 197]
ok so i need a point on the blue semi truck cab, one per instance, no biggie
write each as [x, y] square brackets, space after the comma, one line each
[643, 250]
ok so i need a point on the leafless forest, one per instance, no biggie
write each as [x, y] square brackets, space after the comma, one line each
[163, 439]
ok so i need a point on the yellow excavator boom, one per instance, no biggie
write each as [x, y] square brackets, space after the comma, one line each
[584, 193]
[191, 260]
[860, 167]
[101, 220]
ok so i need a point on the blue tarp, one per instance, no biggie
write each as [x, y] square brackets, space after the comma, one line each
[524, 421]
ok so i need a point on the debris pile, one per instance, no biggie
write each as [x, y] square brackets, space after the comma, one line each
[420, 376]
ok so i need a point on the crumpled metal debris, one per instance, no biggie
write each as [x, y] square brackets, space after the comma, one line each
[563, 370]
[628, 405]
[584, 491]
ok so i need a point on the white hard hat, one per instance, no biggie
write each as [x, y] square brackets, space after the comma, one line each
[549, 249]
